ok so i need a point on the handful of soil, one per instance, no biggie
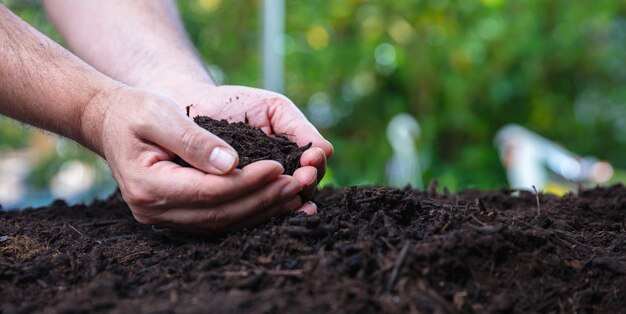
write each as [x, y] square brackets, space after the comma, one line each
[253, 144]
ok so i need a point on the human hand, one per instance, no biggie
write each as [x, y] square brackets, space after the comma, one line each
[271, 112]
[140, 133]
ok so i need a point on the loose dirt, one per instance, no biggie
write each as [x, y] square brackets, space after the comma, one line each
[253, 144]
[369, 250]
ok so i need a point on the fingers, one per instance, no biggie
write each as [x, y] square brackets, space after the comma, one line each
[308, 208]
[262, 204]
[179, 134]
[307, 176]
[287, 118]
[307, 133]
[283, 209]
[315, 157]
[172, 186]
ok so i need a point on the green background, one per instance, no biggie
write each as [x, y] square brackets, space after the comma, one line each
[462, 68]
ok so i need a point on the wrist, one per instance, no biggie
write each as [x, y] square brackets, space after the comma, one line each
[93, 116]
[183, 89]
[175, 81]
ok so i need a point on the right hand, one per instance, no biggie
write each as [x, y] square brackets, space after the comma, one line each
[140, 133]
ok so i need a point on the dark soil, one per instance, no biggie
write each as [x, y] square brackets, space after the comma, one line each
[369, 250]
[253, 144]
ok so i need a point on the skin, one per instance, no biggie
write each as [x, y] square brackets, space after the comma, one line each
[132, 84]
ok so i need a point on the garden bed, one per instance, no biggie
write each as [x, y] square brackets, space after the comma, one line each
[369, 250]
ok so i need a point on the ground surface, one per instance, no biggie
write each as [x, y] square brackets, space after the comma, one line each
[369, 250]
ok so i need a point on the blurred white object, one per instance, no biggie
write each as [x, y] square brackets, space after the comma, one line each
[73, 179]
[273, 44]
[527, 157]
[403, 168]
[14, 168]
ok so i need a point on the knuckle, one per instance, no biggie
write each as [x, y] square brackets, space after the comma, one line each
[144, 220]
[190, 140]
[214, 221]
[142, 115]
[250, 187]
[138, 196]
[150, 104]
[265, 202]
[205, 196]
[249, 184]
[279, 101]
[142, 127]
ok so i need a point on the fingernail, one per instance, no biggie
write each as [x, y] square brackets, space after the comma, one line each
[222, 159]
[291, 189]
[313, 178]
[321, 153]
[308, 208]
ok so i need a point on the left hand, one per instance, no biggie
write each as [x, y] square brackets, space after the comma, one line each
[271, 112]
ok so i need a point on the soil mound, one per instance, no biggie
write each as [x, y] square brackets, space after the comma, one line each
[369, 250]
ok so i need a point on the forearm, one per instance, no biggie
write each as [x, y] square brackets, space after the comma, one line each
[43, 84]
[141, 43]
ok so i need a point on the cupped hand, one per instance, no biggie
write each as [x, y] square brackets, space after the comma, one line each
[140, 133]
[271, 112]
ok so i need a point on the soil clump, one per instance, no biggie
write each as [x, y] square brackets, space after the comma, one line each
[253, 144]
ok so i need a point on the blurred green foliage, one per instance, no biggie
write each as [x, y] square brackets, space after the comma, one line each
[463, 68]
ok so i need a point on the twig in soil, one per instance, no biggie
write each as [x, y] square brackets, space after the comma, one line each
[386, 242]
[237, 273]
[127, 257]
[366, 200]
[435, 297]
[102, 223]
[538, 205]
[432, 187]
[487, 229]
[115, 238]
[480, 205]
[74, 228]
[480, 222]
[286, 272]
[301, 231]
[588, 261]
[398, 265]
[187, 109]
[260, 158]
[42, 283]
[287, 135]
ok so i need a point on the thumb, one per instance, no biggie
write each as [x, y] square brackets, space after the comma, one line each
[195, 145]
[289, 119]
